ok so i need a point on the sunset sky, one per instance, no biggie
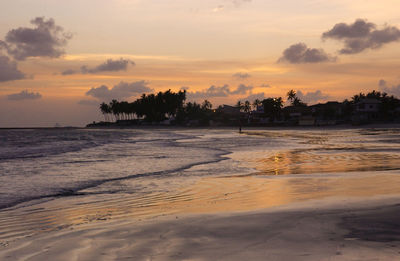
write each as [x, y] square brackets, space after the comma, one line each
[60, 59]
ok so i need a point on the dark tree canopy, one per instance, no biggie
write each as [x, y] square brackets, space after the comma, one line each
[153, 107]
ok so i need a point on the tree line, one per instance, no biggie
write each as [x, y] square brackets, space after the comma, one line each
[155, 108]
[169, 104]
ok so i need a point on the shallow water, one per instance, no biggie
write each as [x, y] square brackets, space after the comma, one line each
[56, 179]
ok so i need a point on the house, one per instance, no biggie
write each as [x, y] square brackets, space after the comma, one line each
[367, 105]
[257, 116]
[293, 114]
[229, 110]
[228, 115]
[307, 120]
[328, 113]
[366, 110]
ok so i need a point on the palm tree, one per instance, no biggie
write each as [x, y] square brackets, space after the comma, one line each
[206, 105]
[294, 100]
[356, 98]
[105, 109]
[247, 107]
[256, 103]
[291, 95]
[240, 105]
[114, 105]
[154, 107]
[273, 107]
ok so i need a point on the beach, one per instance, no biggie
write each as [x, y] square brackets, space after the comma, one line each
[351, 231]
[261, 195]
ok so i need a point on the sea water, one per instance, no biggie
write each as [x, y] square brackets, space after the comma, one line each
[47, 163]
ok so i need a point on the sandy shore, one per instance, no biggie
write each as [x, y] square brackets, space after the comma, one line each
[319, 230]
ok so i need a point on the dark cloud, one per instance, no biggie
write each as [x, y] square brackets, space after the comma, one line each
[69, 72]
[221, 91]
[360, 28]
[9, 70]
[265, 85]
[24, 95]
[120, 91]
[300, 53]
[312, 97]
[241, 75]
[362, 35]
[45, 40]
[392, 90]
[108, 66]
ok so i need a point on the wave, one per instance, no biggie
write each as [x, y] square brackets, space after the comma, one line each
[76, 190]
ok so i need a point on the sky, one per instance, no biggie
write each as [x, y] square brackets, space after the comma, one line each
[60, 59]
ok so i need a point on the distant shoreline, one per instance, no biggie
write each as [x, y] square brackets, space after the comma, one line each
[244, 128]
[39, 128]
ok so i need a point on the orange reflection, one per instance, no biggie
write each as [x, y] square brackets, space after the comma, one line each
[307, 161]
[206, 195]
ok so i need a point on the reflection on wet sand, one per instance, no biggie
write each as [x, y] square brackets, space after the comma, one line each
[327, 152]
[308, 161]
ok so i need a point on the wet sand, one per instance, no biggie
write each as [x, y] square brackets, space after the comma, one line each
[317, 230]
[340, 217]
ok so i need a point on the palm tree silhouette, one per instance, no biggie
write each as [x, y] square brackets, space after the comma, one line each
[105, 109]
[294, 100]
[246, 107]
[273, 107]
[256, 103]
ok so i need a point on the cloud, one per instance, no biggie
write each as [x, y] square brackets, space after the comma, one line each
[9, 70]
[89, 102]
[362, 35]
[24, 95]
[69, 72]
[312, 97]
[252, 97]
[218, 8]
[382, 83]
[239, 2]
[242, 89]
[221, 91]
[241, 75]
[108, 66]
[213, 91]
[236, 3]
[300, 53]
[120, 91]
[392, 90]
[45, 40]
[265, 85]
